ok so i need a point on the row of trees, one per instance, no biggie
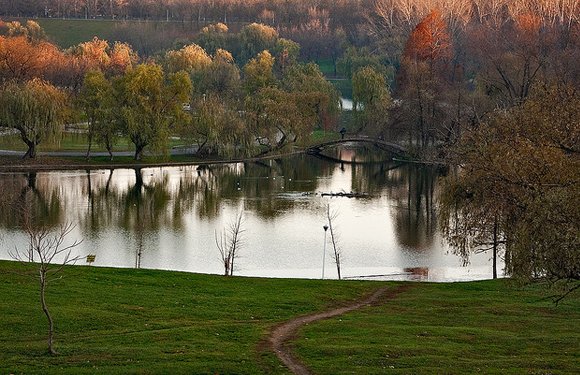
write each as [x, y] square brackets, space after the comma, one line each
[207, 98]
[324, 29]
[446, 83]
[499, 100]
[296, 12]
[273, 12]
[321, 27]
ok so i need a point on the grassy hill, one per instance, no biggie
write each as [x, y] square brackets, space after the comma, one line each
[144, 321]
[145, 36]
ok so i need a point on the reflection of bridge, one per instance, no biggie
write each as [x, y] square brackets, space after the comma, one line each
[393, 148]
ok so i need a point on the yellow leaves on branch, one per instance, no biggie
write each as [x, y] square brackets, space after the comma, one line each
[191, 58]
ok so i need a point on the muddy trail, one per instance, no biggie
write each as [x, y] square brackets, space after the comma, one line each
[280, 338]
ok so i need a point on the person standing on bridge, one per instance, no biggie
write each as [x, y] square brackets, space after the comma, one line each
[342, 132]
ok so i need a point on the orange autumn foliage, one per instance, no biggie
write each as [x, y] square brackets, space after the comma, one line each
[98, 54]
[94, 53]
[430, 40]
[122, 57]
[528, 23]
[21, 59]
[528, 27]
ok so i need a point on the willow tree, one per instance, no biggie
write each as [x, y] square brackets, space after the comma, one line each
[518, 187]
[191, 58]
[318, 94]
[277, 117]
[255, 38]
[36, 109]
[150, 103]
[371, 100]
[96, 99]
[258, 72]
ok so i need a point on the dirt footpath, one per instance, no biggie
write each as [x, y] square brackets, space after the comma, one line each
[283, 334]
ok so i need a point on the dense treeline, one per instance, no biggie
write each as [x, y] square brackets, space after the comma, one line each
[279, 12]
[258, 98]
[359, 21]
[488, 87]
[294, 12]
[323, 28]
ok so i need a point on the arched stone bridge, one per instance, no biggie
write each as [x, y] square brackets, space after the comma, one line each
[393, 148]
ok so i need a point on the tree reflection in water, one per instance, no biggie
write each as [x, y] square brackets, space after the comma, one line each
[27, 199]
[155, 213]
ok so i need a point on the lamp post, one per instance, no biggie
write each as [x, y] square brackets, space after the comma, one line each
[325, 227]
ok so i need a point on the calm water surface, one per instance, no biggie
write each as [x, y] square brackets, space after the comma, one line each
[166, 218]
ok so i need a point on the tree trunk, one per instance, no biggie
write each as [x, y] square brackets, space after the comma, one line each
[232, 257]
[281, 142]
[200, 147]
[90, 139]
[226, 267]
[46, 312]
[139, 151]
[109, 147]
[334, 242]
[31, 152]
[495, 249]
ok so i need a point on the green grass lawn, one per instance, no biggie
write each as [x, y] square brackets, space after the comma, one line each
[69, 141]
[326, 66]
[321, 136]
[143, 321]
[490, 327]
[78, 142]
[69, 32]
[139, 321]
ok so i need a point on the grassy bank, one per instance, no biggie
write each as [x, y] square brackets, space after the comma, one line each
[487, 327]
[138, 321]
[68, 141]
[141, 321]
[75, 145]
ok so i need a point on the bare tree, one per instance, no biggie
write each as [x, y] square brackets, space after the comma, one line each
[229, 241]
[337, 252]
[50, 253]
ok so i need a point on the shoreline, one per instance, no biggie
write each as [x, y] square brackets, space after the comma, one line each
[13, 163]
[67, 163]
[60, 163]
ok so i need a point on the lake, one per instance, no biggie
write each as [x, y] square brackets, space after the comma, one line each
[168, 218]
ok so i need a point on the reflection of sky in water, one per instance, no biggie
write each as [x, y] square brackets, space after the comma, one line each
[346, 103]
[284, 214]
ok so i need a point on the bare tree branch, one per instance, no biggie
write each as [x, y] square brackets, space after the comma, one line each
[47, 250]
[337, 252]
[229, 242]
